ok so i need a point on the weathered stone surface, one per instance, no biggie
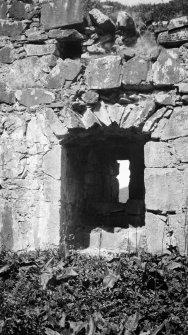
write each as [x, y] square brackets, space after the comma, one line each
[158, 154]
[165, 99]
[104, 73]
[137, 115]
[25, 73]
[18, 10]
[62, 13]
[3, 10]
[177, 125]
[64, 70]
[167, 70]
[11, 29]
[90, 97]
[168, 189]
[102, 21]
[159, 128]
[185, 99]
[135, 72]
[36, 35]
[52, 162]
[125, 240]
[178, 224]
[7, 97]
[178, 22]
[101, 113]
[40, 49]
[34, 96]
[7, 55]
[173, 38]
[183, 88]
[65, 35]
[156, 230]
[115, 113]
[89, 119]
[126, 23]
[180, 147]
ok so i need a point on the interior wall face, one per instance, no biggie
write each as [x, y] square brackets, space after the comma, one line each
[78, 93]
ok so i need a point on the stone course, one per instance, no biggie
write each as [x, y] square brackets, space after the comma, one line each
[77, 93]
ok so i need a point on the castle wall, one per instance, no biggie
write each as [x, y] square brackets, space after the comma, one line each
[68, 75]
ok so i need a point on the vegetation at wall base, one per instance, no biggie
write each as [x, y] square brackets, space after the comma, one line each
[44, 293]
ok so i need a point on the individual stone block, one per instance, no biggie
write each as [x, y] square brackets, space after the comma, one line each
[136, 115]
[158, 154]
[156, 230]
[90, 97]
[65, 35]
[173, 38]
[64, 70]
[165, 99]
[104, 73]
[177, 125]
[178, 22]
[101, 21]
[178, 225]
[11, 29]
[181, 149]
[183, 88]
[165, 189]
[135, 73]
[40, 49]
[34, 96]
[62, 13]
[7, 97]
[3, 10]
[52, 162]
[167, 70]
[115, 113]
[89, 119]
[18, 10]
[126, 23]
[7, 55]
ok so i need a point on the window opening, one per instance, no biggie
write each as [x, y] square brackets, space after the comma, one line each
[124, 179]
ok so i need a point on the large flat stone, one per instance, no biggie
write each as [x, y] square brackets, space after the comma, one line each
[64, 70]
[34, 96]
[65, 35]
[55, 124]
[167, 70]
[52, 162]
[62, 13]
[40, 49]
[181, 149]
[173, 38]
[3, 10]
[104, 73]
[135, 72]
[11, 29]
[156, 230]
[165, 189]
[177, 125]
[150, 123]
[158, 154]
[18, 10]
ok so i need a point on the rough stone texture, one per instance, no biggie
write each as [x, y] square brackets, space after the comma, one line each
[126, 23]
[11, 29]
[158, 154]
[18, 10]
[167, 70]
[135, 72]
[65, 35]
[180, 147]
[173, 38]
[3, 10]
[104, 73]
[124, 240]
[62, 13]
[64, 70]
[156, 231]
[177, 125]
[178, 22]
[168, 191]
[102, 21]
[183, 88]
[7, 55]
[40, 50]
[178, 224]
[32, 97]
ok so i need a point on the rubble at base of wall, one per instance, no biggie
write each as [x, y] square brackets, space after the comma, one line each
[64, 72]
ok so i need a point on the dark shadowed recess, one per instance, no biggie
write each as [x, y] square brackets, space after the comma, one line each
[90, 188]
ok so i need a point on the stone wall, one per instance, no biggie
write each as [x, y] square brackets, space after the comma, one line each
[71, 81]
